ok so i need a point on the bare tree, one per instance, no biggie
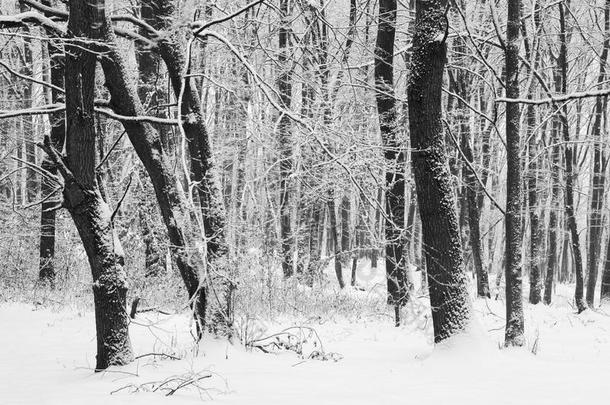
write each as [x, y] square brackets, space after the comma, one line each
[447, 280]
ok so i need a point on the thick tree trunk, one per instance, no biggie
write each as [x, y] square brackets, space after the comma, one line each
[598, 177]
[82, 197]
[394, 155]
[447, 280]
[514, 235]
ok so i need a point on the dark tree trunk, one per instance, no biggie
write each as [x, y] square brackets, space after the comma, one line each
[562, 64]
[605, 288]
[46, 270]
[82, 197]
[598, 176]
[532, 180]
[376, 228]
[285, 138]
[514, 235]
[447, 280]
[552, 253]
[471, 186]
[394, 155]
[147, 144]
[535, 279]
[332, 214]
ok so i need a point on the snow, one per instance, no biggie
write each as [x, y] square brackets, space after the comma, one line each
[48, 355]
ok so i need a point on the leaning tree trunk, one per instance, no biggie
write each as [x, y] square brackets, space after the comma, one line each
[148, 146]
[447, 280]
[599, 165]
[394, 155]
[82, 197]
[46, 269]
[514, 236]
[203, 174]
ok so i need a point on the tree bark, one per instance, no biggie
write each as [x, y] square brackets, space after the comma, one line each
[82, 197]
[514, 236]
[562, 65]
[148, 146]
[598, 177]
[46, 269]
[394, 155]
[284, 84]
[447, 280]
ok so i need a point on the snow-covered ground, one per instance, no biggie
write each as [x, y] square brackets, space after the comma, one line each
[48, 355]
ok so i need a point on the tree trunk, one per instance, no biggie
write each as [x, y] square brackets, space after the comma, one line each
[598, 177]
[147, 144]
[82, 197]
[394, 155]
[562, 65]
[447, 280]
[285, 138]
[514, 236]
[46, 269]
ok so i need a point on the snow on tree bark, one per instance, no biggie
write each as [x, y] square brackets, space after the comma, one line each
[447, 280]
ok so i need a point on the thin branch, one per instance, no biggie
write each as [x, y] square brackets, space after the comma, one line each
[554, 99]
[474, 172]
[200, 26]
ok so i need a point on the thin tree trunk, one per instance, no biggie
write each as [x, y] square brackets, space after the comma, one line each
[562, 64]
[447, 280]
[598, 176]
[285, 138]
[46, 269]
[393, 153]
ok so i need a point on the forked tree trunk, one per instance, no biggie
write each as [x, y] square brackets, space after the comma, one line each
[148, 146]
[393, 153]
[82, 197]
[447, 280]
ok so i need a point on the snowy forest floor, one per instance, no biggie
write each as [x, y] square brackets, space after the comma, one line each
[48, 355]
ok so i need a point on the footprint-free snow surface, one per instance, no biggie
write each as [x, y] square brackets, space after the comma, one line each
[48, 355]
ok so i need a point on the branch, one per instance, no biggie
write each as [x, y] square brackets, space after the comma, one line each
[199, 26]
[15, 73]
[56, 158]
[31, 17]
[554, 99]
[58, 107]
[53, 12]
[474, 172]
[118, 206]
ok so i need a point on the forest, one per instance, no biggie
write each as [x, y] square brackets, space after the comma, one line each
[305, 201]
